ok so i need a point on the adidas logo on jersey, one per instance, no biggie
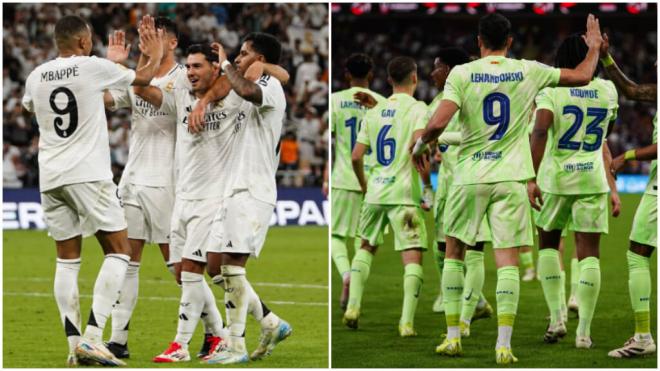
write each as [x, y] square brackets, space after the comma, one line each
[198, 253]
[229, 244]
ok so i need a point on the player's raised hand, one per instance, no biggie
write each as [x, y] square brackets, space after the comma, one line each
[616, 204]
[365, 99]
[593, 38]
[605, 46]
[117, 48]
[534, 194]
[152, 43]
[220, 50]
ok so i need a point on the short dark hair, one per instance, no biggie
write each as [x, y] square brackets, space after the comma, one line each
[400, 68]
[571, 52]
[205, 49]
[494, 30]
[168, 25]
[266, 45]
[453, 56]
[67, 27]
[359, 65]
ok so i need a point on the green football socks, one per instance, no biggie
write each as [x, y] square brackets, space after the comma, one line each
[575, 276]
[474, 283]
[639, 285]
[359, 274]
[413, 277]
[587, 293]
[550, 273]
[507, 294]
[452, 290]
[340, 255]
[527, 259]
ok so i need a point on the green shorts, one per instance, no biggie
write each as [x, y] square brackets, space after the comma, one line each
[586, 213]
[644, 228]
[407, 223]
[438, 214]
[504, 206]
[345, 212]
[535, 215]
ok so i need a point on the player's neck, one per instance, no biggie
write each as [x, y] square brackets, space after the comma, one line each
[404, 89]
[360, 84]
[70, 53]
[493, 53]
[165, 65]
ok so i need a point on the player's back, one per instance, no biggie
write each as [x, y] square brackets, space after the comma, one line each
[66, 94]
[388, 130]
[346, 118]
[573, 160]
[495, 95]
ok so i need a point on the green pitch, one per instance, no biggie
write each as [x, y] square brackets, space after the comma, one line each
[290, 276]
[377, 344]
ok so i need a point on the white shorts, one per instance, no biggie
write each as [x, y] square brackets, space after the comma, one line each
[148, 211]
[240, 225]
[82, 209]
[191, 226]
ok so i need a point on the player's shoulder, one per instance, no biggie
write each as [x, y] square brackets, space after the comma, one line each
[269, 81]
[607, 85]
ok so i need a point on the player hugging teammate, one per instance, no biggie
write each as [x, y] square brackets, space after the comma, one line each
[200, 181]
[487, 103]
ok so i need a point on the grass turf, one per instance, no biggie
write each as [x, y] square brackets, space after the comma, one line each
[292, 255]
[376, 343]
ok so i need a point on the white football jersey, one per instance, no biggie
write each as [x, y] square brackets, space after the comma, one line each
[153, 135]
[201, 157]
[256, 151]
[66, 94]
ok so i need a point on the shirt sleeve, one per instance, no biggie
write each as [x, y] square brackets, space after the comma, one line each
[543, 75]
[112, 75]
[420, 114]
[363, 136]
[27, 100]
[454, 87]
[168, 104]
[543, 100]
[271, 91]
[121, 98]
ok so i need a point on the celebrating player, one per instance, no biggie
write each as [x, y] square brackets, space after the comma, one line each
[643, 236]
[393, 194]
[77, 192]
[346, 192]
[494, 95]
[574, 185]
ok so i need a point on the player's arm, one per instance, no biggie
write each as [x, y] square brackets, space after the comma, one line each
[452, 138]
[583, 73]
[245, 88]
[647, 153]
[614, 193]
[434, 128]
[108, 100]
[631, 90]
[365, 99]
[151, 94]
[357, 158]
[151, 46]
[539, 138]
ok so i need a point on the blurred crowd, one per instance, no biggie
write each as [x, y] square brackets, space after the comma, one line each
[302, 29]
[633, 46]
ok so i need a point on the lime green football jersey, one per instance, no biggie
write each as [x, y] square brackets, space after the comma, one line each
[495, 96]
[573, 159]
[388, 130]
[449, 153]
[652, 187]
[346, 118]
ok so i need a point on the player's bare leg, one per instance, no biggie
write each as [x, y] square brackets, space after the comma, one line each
[550, 274]
[639, 286]
[111, 277]
[66, 291]
[575, 276]
[360, 269]
[452, 290]
[589, 284]
[412, 283]
[507, 293]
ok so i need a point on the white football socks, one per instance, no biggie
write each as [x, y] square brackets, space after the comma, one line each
[123, 310]
[190, 309]
[236, 302]
[106, 292]
[66, 296]
[211, 317]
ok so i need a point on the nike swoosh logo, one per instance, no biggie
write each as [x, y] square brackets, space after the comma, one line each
[469, 296]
